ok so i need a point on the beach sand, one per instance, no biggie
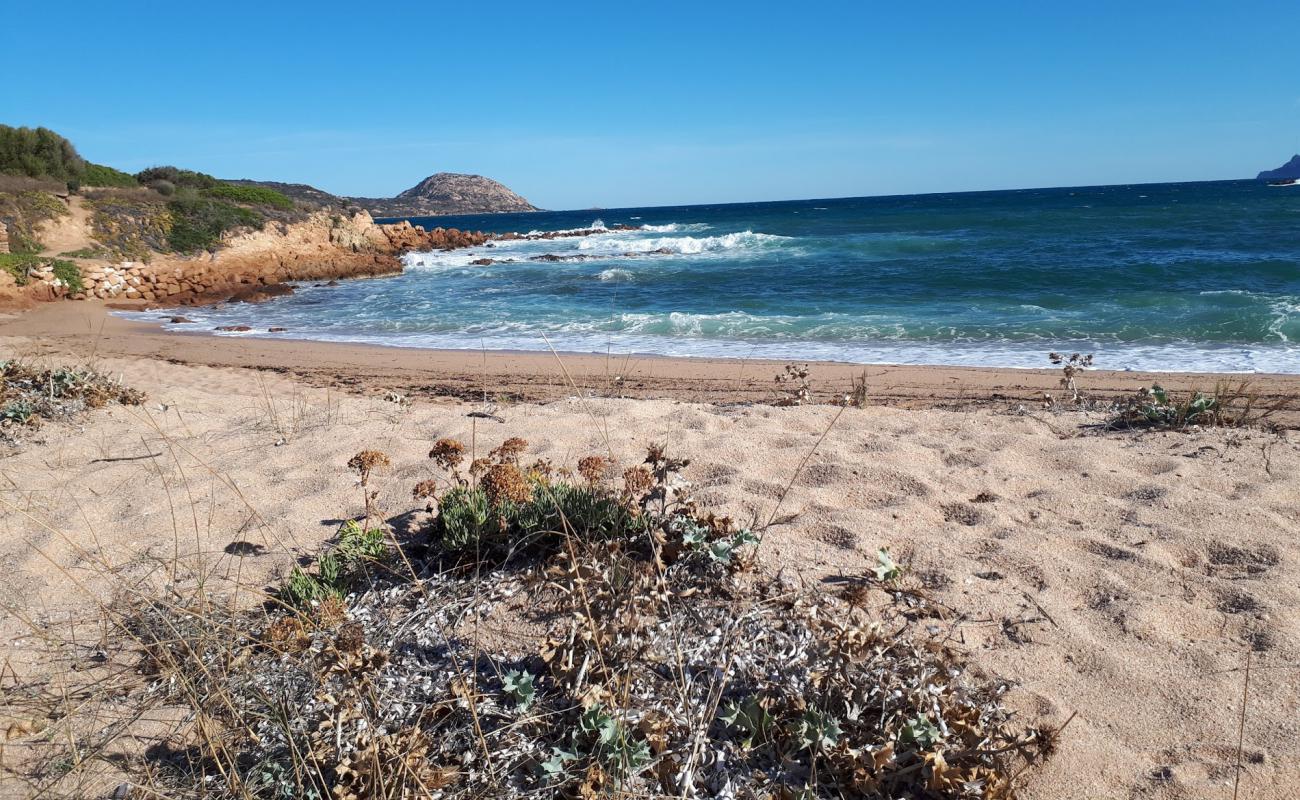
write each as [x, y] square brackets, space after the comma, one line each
[1123, 578]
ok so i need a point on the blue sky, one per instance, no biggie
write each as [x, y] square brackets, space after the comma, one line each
[618, 104]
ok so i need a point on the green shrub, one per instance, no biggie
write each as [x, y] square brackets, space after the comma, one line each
[177, 177]
[251, 195]
[37, 153]
[87, 252]
[199, 222]
[337, 568]
[18, 264]
[68, 272]
[100, 175]
[468, 521]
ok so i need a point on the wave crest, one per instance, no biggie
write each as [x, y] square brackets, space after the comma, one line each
[683, 245]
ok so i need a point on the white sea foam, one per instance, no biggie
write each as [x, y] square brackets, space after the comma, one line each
[616, 275]
[683, 245]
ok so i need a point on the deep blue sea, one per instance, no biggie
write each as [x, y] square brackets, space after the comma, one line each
[1191, 276]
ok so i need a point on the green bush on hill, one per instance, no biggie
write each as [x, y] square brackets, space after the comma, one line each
[199, 222]
[38, 152]
[177, 177]
[251, 195]
[100, 175]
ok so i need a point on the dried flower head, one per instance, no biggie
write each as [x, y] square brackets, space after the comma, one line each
[542, 469]
[637, 481]
[448, 453]
[350, 638]
[506, 482]
[286, 634]
[330, 611]
[425, 490]
[509, 451]
[479, 466]
[366, 461]
[592, 467]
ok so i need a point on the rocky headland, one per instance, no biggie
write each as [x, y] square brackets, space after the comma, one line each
[441, 194]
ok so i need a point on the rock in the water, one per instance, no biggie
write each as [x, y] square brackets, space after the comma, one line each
[233, 328]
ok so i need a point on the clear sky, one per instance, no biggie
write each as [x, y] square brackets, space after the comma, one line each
[619, 104]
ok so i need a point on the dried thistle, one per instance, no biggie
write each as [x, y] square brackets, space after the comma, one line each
[795, 385]
[350, 638]
[1071, 367]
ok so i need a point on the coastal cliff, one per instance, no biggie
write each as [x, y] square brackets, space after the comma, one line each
[325, 245]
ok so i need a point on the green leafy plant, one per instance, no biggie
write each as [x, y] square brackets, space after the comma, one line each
[816, 730]
[69, 273]
[920, 732]
[337, 568]
[752, 719]
[886, 570]
[519, 688]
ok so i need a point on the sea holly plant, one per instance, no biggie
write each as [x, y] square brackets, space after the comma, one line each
[886, 570]
[1071, 367]
[817, 730]
[517, 685]
[751, 719]
[556, 768]
[920, 732]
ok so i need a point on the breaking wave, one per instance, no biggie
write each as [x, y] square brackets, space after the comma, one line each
[683, 245]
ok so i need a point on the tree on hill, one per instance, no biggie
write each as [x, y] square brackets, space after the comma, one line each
[38, 153]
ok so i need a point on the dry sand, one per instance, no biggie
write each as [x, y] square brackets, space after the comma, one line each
[1124, 577]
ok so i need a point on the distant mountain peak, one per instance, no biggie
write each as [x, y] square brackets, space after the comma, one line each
[1290, 169]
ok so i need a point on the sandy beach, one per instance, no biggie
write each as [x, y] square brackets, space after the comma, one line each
[1123, 578]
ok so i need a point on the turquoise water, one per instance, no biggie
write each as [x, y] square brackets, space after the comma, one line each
[1195, 276]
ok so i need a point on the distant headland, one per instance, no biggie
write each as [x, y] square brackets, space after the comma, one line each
[1290, 169]
[443, 193]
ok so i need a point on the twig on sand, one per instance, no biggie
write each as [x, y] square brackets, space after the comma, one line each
[1241, 726]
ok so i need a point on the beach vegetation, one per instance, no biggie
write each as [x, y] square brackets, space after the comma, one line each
[31, 395]
[370, 679]
[1230, 404]
[199, 223]
[794, 385]
[101, 176]
[250, 195]
[1071, 367]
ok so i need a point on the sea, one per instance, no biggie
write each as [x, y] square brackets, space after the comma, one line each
[1168, 277]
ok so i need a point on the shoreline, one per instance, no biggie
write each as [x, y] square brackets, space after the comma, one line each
[88, 329]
